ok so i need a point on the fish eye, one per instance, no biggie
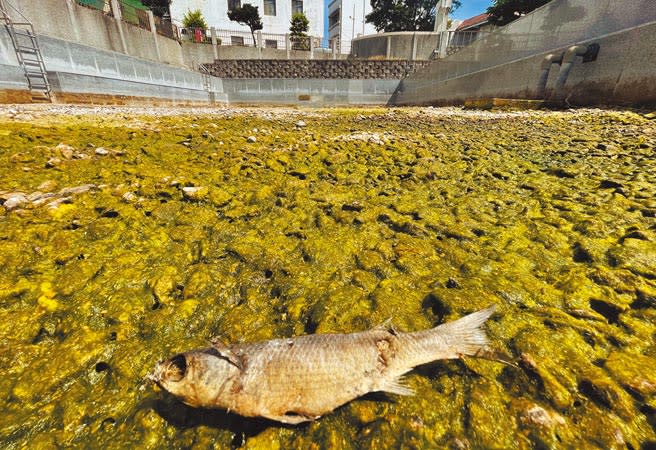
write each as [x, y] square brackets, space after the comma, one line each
[177, 367]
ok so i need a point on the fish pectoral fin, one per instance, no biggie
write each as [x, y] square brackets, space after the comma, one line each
[226, 353]
[396, 386]
[293, 418]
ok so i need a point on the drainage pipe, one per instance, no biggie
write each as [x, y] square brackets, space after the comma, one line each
[566, 66]
[545, 67]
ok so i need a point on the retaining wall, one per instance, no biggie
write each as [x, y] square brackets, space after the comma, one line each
[317, 69]
[507, 62]
[398, 45]
[65, 19]
[76, 71]
[315, 92]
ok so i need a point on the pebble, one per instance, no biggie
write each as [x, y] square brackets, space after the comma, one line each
[251, 139]
[300, 124]
[65, 150]
[129, 197]
[537, 415]
[46, 186]
[194, 192]
[53, 162]
[77, 189]
[102, 151]
[15, 201]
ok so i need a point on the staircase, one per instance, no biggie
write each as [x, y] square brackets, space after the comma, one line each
[28, 53]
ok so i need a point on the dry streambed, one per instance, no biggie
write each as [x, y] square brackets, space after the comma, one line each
[125, 237]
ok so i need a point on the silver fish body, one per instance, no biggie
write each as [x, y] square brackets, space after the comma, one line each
[302, 378]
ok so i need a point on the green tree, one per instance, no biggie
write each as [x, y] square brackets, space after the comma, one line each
[247, 15]
[194, 19]
[158, 7]
[505, 11]
[404, 15]
[298, 29]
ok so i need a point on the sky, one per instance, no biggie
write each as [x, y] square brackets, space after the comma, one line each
[469, 8]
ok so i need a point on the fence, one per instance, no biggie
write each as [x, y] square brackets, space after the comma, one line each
[261, 40]
[100, 5]
[457, 40]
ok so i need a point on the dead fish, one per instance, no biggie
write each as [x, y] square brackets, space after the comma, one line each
[302, 378]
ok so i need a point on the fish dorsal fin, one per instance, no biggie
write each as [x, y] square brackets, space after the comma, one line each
[226, 353]
[396, 386]
[387, 326]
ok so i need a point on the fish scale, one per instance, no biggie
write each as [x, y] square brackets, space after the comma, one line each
[300, 379]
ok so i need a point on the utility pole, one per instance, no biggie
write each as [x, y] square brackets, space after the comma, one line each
[442, 15]
[441, 24]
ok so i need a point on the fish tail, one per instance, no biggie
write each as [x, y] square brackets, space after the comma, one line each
[462, 337]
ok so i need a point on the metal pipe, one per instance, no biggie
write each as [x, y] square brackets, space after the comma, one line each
[548, 60]
[566, 66]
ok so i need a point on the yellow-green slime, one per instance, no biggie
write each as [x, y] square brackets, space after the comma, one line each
[335, 226]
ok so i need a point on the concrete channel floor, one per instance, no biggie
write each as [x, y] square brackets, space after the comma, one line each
[128, 234]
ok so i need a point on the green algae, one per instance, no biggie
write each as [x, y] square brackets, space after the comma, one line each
[331, 228]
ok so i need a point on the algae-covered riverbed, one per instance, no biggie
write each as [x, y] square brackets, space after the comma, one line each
[126, 236]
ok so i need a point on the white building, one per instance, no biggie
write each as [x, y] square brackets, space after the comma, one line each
[346, 21]
[276, 14]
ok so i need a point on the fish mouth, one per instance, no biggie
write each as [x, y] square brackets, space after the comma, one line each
[173, 369]
[156, 375]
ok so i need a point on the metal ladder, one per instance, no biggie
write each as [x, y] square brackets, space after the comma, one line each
[28, 53]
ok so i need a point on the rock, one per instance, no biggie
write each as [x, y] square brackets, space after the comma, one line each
[47, 186]
[300, 124]
[21, 158]
[539, 416]
[251, 139]
[77, 189]
[194, 192]
[53, 162]
[129, 197]
[650, 116]
[59, 201]
[102, 151]
[65, 150]
[15, 201]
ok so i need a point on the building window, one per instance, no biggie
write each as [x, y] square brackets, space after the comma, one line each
[234, 4]
[297, 6]
[269, 7]
[333, 19]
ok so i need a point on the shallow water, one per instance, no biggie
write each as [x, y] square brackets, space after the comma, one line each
[331, 225]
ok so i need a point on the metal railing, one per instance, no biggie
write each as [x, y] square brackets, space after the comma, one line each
[240, 38]
[461, 39]
[100, 5]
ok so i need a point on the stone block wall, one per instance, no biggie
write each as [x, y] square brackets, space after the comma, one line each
[323, 69]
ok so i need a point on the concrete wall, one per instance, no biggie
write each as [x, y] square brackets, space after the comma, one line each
[398, 45]
[315, 92]
[83, 74]
[65, 19]
[507, 62]
[75, 69]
